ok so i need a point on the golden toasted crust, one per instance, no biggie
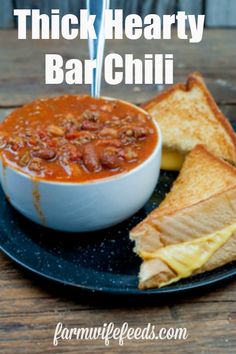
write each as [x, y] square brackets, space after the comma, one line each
[202, 176]
[195, 109]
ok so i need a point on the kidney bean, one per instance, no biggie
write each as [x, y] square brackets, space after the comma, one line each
[45, 154]
[90, 158]
[110, 157]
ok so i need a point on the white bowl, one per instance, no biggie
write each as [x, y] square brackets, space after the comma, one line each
[86, 206]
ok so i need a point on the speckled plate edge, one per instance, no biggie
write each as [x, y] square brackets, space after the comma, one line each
[210, 278]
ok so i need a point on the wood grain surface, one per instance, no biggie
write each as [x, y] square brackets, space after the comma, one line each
[30, 307]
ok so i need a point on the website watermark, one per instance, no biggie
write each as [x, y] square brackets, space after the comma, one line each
[121, 334]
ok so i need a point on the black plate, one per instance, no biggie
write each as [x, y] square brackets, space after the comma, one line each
[101, 261]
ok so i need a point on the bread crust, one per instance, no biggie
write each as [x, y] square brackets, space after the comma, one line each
[199, 152]
[195, 80]
[203, 149]
[176, 226]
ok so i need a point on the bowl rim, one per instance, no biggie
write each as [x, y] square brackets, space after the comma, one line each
[103, 180]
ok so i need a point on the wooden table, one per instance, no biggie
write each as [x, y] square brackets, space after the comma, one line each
[30, 309]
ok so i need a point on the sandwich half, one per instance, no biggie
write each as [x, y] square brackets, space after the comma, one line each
[194, 228]
[188, 115]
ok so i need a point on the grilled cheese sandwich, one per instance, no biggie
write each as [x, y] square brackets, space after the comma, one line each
[198, 214]
[188, 115]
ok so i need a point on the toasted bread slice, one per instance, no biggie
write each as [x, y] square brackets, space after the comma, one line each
[199, 238]
[188, 115]
[203, 175]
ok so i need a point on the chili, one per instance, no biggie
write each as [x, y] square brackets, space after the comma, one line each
[76, 138]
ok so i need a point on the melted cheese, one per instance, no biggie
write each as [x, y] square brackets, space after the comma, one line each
[172, 160]
[185, 258]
